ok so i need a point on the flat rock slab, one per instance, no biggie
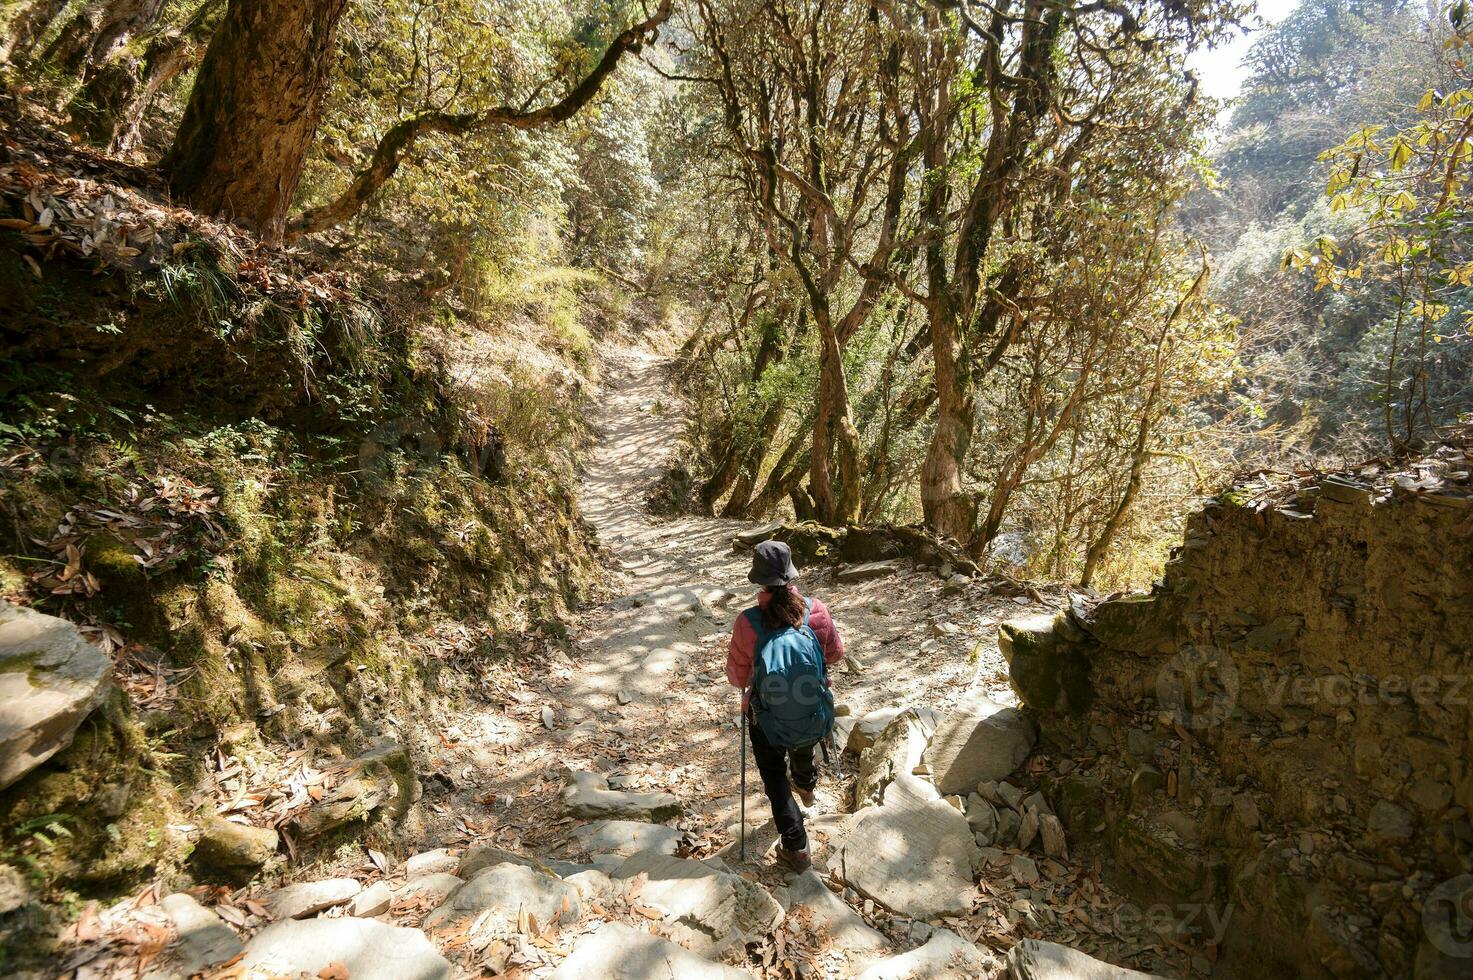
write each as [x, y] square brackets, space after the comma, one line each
[867, 570]
[914, 855]
[50, 679]
[505, 890]
[587, 796]
[366, 948]
[706, 908]
[310, 897]
[1034, 959]
[838, 927]
[626, 837]
[201, 938]
[945, 955]
[979, 741]
[756, 535]
[619, 952]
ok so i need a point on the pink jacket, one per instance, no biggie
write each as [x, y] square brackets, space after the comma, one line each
[744, 643]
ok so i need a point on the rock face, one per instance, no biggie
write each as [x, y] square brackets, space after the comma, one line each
[381, 779]
[706, 909]
[618, 952]
[367, 949]
[233, 852]
[914, 855]
[587, 795]
[1280, 729]
[1034, 959]
[50, 679]
[979, 741]
[945, 955]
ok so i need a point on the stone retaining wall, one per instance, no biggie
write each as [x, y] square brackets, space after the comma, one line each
[1279, 732]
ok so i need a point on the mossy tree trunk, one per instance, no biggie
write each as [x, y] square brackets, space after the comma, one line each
[254, 110]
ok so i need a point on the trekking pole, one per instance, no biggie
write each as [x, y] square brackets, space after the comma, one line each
[744, 787]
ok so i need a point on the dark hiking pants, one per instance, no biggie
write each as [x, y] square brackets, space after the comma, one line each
[773, 763]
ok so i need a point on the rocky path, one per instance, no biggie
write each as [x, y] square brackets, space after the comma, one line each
[590, 825]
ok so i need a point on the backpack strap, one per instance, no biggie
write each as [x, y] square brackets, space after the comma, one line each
[807, 611]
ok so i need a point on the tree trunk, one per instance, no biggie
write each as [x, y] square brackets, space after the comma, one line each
[833, 476]
[28, 27]
[97, 31]
[254, 111]
[947, 508]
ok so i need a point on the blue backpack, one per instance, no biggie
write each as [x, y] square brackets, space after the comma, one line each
[791, 700]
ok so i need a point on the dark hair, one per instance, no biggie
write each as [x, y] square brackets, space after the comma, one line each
[784, 609]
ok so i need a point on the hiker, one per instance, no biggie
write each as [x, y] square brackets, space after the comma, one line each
[788, 642]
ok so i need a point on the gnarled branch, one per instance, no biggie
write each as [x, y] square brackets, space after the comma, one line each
[403, 134]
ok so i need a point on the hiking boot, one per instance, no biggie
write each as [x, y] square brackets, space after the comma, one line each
[798, 861]
[805, 796]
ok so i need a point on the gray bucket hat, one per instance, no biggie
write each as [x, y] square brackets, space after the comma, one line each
[772, 565]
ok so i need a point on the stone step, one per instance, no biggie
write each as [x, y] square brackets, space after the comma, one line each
[366, 948]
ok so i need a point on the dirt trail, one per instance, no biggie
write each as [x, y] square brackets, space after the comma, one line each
[662, 643]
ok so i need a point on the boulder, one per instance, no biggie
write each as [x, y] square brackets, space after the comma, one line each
[980, 740]
[201, 938]
[381, 779]
[310, 897]
[619, 952]
[914, 855]
[945, 955]
[50, 679]
[504, 891]
[626, 837]
[1047, 662]
[366, 948]
[837, 927]
[232, 851]
[587, 796]
[897, 751]
[1034, 959]
[704, 907]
